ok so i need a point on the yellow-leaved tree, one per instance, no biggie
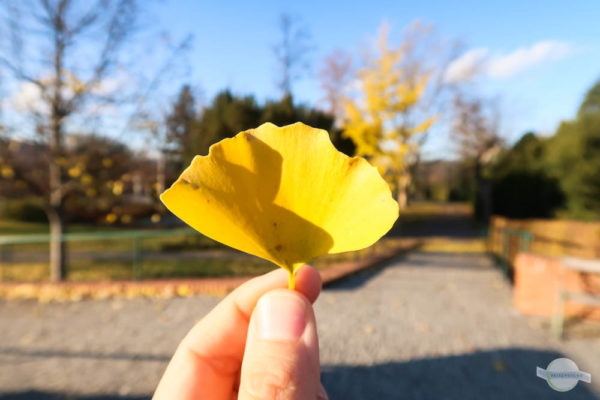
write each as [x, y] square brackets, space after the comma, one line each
[385, 118]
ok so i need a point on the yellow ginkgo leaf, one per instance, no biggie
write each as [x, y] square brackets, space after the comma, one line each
[283, 194]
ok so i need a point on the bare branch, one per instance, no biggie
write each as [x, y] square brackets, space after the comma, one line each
[334, 77]
[87, 20]
[292, 52]
[19, 73]
[475, 126]
[155, 82]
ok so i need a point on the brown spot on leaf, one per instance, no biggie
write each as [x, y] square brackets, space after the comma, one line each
[279, 247]
[353, 161]
[275, 224]
[185, 181]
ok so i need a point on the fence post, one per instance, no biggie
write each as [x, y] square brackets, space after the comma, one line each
[3, 261]
[505, 249]
[137, 257]
[558, 315]
[525, 241]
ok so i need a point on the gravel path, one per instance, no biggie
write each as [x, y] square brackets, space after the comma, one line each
[427, 326]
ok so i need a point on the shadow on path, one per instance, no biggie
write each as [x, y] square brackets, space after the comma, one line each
[51, 353]
[451, 224]
[497, 374]
[430, 260]
[457, 226]
[500, 374]
[361, 278]
[447, 260]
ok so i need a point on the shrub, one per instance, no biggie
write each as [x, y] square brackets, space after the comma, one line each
[23, 210]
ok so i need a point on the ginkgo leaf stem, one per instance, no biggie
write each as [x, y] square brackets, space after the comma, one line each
[292, 278]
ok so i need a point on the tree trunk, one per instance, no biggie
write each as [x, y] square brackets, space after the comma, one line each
[58, 111]
[57, 245]
[403, 183]
[483, 191]
[55, 206]
[161, 178]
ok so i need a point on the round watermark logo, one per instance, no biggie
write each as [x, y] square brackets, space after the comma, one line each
[562, 374]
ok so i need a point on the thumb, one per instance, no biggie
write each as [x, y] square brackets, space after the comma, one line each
[281, 359]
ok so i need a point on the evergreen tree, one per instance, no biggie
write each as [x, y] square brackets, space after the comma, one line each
[574, 158]
[182, 123]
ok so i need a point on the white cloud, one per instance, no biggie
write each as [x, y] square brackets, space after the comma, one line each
[504, 65]
[465, 66]
[28, 97]
[526, 57]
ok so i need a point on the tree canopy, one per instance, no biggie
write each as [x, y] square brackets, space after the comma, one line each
[574, 158]
[558, 175]
[194, 131]
[384, 119]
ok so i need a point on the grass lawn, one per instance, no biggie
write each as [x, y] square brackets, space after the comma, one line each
[10, 227]
[454, 245]
[100, 270]
[421, 211]
[178, 241]
[86, 268]
[96, 270]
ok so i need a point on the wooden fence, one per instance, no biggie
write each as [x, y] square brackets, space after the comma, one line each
[553, 238]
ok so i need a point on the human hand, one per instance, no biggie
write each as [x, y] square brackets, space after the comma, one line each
[260, 342]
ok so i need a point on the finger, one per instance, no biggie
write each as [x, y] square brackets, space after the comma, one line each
[322, 393]
[208, 359]
[281, 360]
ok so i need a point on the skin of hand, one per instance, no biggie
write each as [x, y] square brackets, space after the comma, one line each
[259, 342]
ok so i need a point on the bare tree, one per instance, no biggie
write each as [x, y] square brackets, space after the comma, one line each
[291, 52]
[78, 48]
[151, 116]
[334, 76]
[476, 127]
[476, 132]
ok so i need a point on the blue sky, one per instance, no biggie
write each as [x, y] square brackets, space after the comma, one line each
[233, 41]
[539, 56]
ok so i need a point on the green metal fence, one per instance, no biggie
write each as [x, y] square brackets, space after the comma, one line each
[525, 239]
[135, 236]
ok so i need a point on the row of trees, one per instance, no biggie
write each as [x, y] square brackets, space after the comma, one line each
[191, 131]
[553, 176]
[536, 177]
[380, 106]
